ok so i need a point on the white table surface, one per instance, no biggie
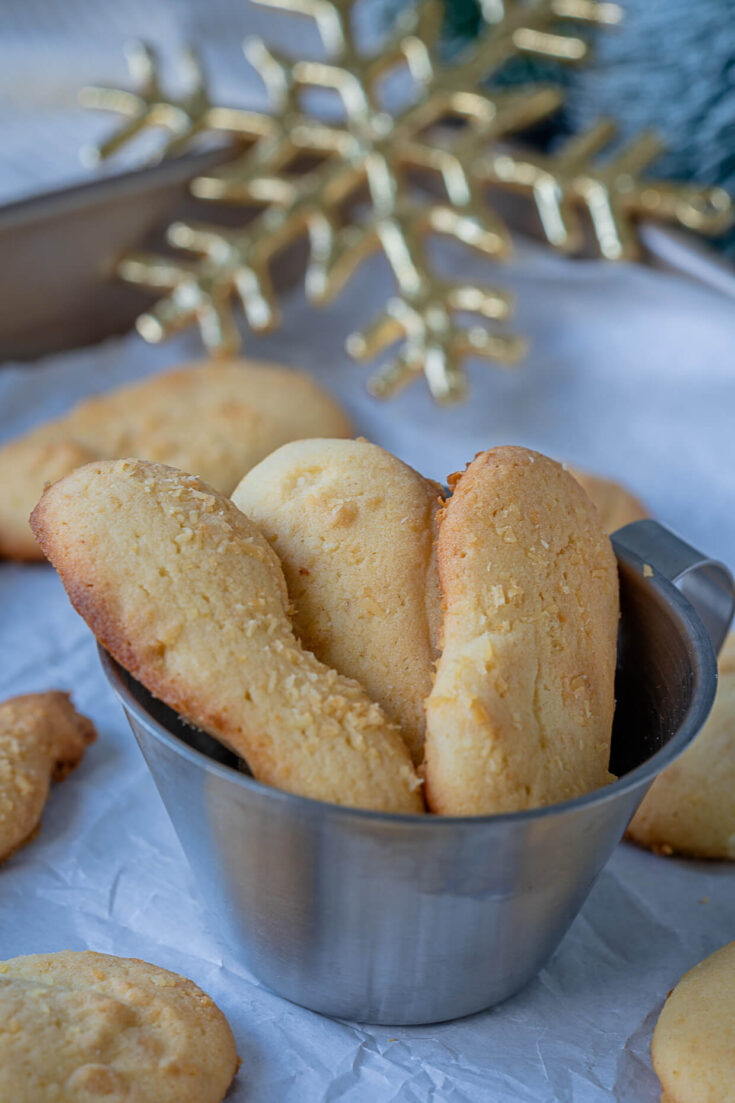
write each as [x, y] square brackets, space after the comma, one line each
[631, 374]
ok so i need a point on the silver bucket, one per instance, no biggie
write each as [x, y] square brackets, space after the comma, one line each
[416, 919]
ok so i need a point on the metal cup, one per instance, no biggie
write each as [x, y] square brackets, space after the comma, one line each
[409, 919]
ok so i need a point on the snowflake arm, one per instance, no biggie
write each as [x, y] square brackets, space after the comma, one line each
[433, 343]
[611, 192]
[183, 119]
[197, 294]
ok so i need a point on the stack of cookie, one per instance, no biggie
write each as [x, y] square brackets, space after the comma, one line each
[383, 648]
[173, 576]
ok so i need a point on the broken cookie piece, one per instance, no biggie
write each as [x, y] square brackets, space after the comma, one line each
[42, 737]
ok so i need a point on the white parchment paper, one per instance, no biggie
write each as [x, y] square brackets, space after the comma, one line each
[632, 373]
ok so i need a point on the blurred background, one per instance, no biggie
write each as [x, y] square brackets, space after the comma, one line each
[670, 65]
[630, 369]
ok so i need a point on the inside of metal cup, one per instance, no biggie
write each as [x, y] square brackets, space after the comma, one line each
[656, 674]
[662, 697]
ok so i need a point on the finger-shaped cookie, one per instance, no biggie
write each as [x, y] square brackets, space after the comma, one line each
[521, 710]
[690, 808]
[615, 504]
[693, 1045]
[354, 530]
[215, 419]
[42, 737]
[80, 1027]
[183, 590]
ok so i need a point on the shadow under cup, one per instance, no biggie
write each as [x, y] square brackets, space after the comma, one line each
[417, 919]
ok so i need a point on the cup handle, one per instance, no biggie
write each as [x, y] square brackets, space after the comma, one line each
[705, 582]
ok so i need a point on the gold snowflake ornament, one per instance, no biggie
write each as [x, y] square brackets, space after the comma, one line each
[387, 182]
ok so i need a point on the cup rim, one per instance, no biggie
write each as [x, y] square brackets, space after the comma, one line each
[704, 668]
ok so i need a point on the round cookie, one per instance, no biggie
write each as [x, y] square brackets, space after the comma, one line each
[354, 530]
[521, 710]
[214, 418]
[184, 591]
[693, 1046]
[690, 808]
[86, 1027]
[616, 506]
[42, 737]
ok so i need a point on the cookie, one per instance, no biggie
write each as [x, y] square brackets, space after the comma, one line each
[616, 506]
[521, 710]
[693, 1046]
[354, 529]
[26, 466]
[690, 808]
[82, 1027]
[188, 596]
[215, 418]
[41, 737]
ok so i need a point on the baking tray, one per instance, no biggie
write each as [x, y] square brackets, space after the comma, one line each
[59, 251]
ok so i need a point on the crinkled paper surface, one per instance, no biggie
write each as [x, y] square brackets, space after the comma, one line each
[631, 374]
